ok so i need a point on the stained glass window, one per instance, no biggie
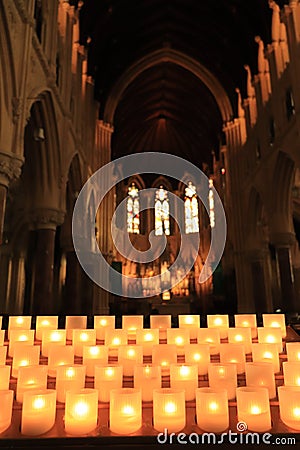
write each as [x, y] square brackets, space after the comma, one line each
[162, 209]
[211, 204]
[133, 210]
[191, 209]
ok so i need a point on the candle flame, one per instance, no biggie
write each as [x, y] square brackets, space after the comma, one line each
[23, 338]
[221, 371]
[209, 340]
[296, 412]
[239, 338]
[131, 352]
[298, 355]
[84, 337]
[270, 339]
[197, 356]
[94, 351]
[45, 323]
[148, 337]
[218, 321]
[81, 409]
[128, 410]
[24, 362]
[19, 320]
[170, 407]
[38, 403]
[245, 324]
[147, 369]
[103, 322]
[189, 320]
[275, 325]
[184, 371]
[164, 363]
[70, 372]
[268, 355]
[109, 372]
[213, 406]
[179, 340]
[298, 381]
[55, 336]
[255, 410]
[116, 341]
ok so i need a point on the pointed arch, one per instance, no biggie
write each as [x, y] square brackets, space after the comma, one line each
[282, 184]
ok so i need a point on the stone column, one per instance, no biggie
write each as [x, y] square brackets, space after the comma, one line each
[73, 304]
[261, 293]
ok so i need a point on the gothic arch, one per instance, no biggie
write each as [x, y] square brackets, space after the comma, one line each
[161, 180]
[138, 181]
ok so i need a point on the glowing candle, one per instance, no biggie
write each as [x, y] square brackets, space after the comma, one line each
[30, 378]
[293, 351]
[125, 410]
[101, 323]
[59, 355]
[164, 355]
[38, 411]
[2, 337]
[69, 378]
[185, 376]
[291, 373]
[147, 338]
[223, 376]
[179, 337]
[268, 335]
[113, 340]
[45, 323]
[74, 323]
[107, 377]
[6, 402]
[169, 410]
[51, 338]
[1, 322]
[92, 356]
[25, 355]
[18, 323]
[261, 374]
[247, 320]
[81, 411]
[24, 337]
[81, 338]
[219, 321]
[198, 354]
[266, 353]
[233, 353]
[147, 378]
[162, 322]
[212, 409]
[131, 324]
[209, 336]
[128, 357]
[289, 405]
[240, 335]
[192, 322]
[253, 408]
[275, 321]
[3, 351]
[4, 377]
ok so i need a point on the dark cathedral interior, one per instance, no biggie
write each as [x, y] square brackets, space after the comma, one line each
[187, 114]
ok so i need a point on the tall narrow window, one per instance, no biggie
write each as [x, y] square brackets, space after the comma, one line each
[133, 210]
[162, 209]
[211, 204]
[191, 209]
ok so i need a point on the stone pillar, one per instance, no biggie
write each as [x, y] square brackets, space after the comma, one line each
[17, 284]
[261, 292]
[73, 303]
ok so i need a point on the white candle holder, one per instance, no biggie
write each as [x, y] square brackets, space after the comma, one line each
[81, 338]
[25, 355]
[212, 409]
[240, 335]
[164, 355]
[147, 378]
[266, 353]
[45, 323]
[92, 356]
[223, 376]
[209, 336]
[4, 377]
[2, 332]
[69, 378]
[147, 338]
[113, 340]
[269, 335]
[18, 323]
[169, 410]
[289, 406]
[261, 374]
[178, 336]
[107, 377]
[6, 402]
[59, 355]
[3, 352]
[293, 351]
[233, 353]
[291, 373]
[162, 322]
[131, 324]
[125, 411]
[38, 412]
[190, 321]
[31, 378]
[74, 323]
[219, 321]
[198, 354]
[101, 323]
[51, 338]
[247, 320]
[128, 357]
[253, 408]
[275, 321]
[81, 411]
[20, 337]
[185, 376]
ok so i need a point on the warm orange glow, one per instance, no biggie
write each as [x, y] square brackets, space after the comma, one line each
[81, 409]
[23, 338]
[94, 351]
[275, 325]
[109, 372]
[170, 408]
[147, 369]
[270, 339]
[70, 373]
[245, 323]
[197, 356]
[19, 320]
[239, 338]
[84, 337]
[103, 322]
[148, 337]
[189, 320]
[184, 371]
[24, 362]
[213, 406]
[179, 340]
[116, 341]
[45, 323]
[255, 410]
[268, 355]
[38, 403]
[296, 412]
[218, 321]
[127, 410]
[131, 352]
[55, 336]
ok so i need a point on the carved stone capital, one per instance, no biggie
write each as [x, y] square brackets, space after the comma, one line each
[46, 218]
[10, 168]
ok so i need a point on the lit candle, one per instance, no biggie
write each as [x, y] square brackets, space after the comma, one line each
[240, 335]
[38, 411]
[291, 373]
[247, 320]
[169, 410]
[81, 412]
[30, 378]
[3, 352]
[45, 323]
[6, 402]
[198, 354]
[74, 323]
[212, 409]
[266, 353]
[51, 338]
[192, 322]
[179, 337]
[269, 335]
[125, 410]
[275, 321]
[2, 337]
[113, 340]
[25, 355]
[219, 321]
[209, 336]
[147, 378]
[81, 338]
[185, 376]
[4, 377]
[24, 337]
[289, 406]
[253, 408]
[223, 376]
[261, 374]
[128, 357]
[69, 378]
[59, 355]
[107, 377]
[147, 338]
[131, 324]
[233, 353]
[92, 356]
[293, 351]
[18, 323]
[101, 323]
[164, 355]
[162, 322]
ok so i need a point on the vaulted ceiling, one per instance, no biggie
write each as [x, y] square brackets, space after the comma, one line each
[166, 108]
